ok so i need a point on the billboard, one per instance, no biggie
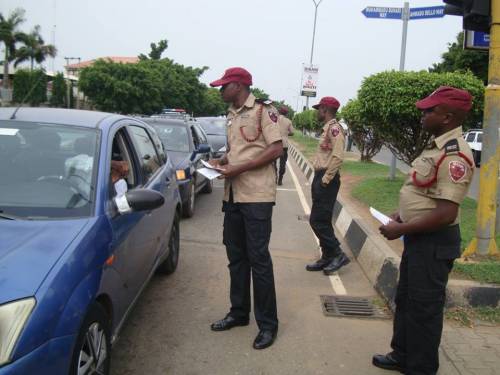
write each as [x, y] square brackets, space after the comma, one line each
[309, 81]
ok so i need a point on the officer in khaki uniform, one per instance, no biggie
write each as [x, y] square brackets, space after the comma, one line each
[325, 187]
[286, 129]
[254, 142]
[428, 219]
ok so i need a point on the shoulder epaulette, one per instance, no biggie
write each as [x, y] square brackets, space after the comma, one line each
[451, 146]
[264, 101]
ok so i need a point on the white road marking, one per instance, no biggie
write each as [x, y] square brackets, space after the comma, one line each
[283, 189]
[337, 285]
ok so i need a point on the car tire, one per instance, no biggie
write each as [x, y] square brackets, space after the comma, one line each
[169, 265]
[209, 187]
[93, 344]
[188, 207]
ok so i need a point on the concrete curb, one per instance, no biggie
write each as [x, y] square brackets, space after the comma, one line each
[381, 264]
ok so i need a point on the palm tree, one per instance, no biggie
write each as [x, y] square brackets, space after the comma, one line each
[34, 48]
[10, 35]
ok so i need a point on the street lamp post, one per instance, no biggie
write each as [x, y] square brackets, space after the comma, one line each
[316, 5]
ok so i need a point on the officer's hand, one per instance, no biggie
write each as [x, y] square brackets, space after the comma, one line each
[229, 170]
[395, 216]
[392, 230]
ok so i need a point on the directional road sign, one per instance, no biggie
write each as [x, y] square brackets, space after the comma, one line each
[426, 12]
[396, 13]
[476, 40]
[383, 12]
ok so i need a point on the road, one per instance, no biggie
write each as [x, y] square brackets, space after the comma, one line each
[169, 332]
[385, 156]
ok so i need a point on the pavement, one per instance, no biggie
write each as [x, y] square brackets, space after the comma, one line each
[168, 330]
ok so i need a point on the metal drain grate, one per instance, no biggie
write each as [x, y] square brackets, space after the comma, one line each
[351, 307]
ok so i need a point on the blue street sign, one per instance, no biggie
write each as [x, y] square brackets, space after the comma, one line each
[427, 12]
[476, 40]
[396, 13]
[383, 12]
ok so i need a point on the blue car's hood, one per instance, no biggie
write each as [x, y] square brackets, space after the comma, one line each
[29, 250]
[180, 160]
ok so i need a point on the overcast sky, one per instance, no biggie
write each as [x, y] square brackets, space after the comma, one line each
[270, 38]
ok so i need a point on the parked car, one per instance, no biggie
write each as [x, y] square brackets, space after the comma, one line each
[75, 251]
[186, 144]
[474, 137]
[215, 128]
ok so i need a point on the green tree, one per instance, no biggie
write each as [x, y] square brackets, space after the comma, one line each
[122, 88]
[213, 105]
[10, 35]
[365, 136]
[306, 120]
[30, 87]
[458, 59]
[59, 87]
[259, 93]
[387, 102]
[156, 50]
[34, 49]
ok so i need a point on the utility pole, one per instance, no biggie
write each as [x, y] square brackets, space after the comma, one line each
[70, 84]
[316, 5]
[484, 242]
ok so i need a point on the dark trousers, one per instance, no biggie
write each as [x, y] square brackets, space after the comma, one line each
[283, 159]
[418, 323]
[247, 231]
[323, 200]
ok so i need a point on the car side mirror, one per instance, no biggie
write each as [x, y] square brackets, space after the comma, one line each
[139, 200]
[202, 149]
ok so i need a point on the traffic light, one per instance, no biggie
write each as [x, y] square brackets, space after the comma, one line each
[476, 13]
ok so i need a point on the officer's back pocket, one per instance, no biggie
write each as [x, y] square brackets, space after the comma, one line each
[443, 252]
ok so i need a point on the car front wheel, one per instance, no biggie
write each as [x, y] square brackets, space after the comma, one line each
[169, 265]
[92, 352]
[188, 207]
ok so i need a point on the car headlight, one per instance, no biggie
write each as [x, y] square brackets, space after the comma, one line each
[13, 317]
[180, 174]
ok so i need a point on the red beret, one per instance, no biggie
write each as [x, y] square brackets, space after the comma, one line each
[239, 75]
[451, 96]
[283, 110]
[328, 101]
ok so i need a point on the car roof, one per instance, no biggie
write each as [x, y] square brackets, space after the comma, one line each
[75, 117]
[164, 121]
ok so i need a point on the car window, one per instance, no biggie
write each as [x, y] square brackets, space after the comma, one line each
[174, 137]
[121, 154]
[148, 158]
[200, 134]
[470, 137]
[196, 139]
[47, 170]
[479, 137]
[214, 127]
[159, 147]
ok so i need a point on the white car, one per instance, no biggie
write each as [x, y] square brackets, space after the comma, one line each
[474, 137]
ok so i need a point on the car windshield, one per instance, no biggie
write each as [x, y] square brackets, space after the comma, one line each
[46, 171]
[214, 127]
[174, 137]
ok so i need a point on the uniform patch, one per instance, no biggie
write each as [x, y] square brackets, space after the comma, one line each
[273, 116]
[335, 131]
[457, 170]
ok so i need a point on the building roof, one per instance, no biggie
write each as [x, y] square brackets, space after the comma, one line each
[115, 59]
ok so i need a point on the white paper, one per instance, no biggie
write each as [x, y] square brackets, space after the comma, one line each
[384, 219]
[209, 166]
[208, 173]
[121, 187]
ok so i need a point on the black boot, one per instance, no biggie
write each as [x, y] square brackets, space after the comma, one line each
[319, 264]
[338, 262]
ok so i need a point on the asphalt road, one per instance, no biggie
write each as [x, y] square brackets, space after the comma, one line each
[169, 332]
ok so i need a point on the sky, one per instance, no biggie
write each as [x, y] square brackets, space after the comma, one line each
[270, 38]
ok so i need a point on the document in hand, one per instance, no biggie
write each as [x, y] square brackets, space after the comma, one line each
[384, 219]
[208, 173]
[209, 166]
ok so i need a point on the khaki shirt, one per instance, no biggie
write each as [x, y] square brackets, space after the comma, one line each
[452, 179]
[330, 156]
[256, 185]
[286, 128]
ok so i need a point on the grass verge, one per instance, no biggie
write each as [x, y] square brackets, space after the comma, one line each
[473, 315]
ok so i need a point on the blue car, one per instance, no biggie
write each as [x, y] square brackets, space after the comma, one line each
[187, 145]
[89, 210]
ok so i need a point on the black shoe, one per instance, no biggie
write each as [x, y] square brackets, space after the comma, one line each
[388, 362]
[319, 264]
[280, 181]
[338, 262]
[227, 323]
[264, 339]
